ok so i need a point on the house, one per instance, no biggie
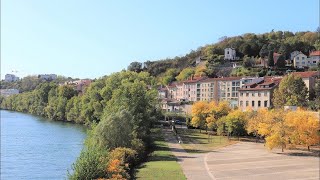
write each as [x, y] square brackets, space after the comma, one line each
[258, 94]
[48, 77]
[294, 54]
[8, 92]
[10, 78]
[230, 54]
[314, 58]
[276, 57]
[300, 60]
[79, 85]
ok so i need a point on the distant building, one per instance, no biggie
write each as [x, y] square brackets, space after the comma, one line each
[48, 77]
[300, 60]
[79, 85]
[230, 54]
[8, 92]
[294, 54]
[314, 58]
[10, 78]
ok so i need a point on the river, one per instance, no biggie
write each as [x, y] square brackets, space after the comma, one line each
[37, 148]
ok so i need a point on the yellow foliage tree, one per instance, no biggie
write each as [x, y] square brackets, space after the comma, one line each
[199, 114]
[254, 119]
[275, 129]
[304, 127]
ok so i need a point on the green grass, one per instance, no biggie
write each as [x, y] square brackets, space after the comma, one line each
[162, 164]
[195, 142]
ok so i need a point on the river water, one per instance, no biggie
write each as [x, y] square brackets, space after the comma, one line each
[37, 148]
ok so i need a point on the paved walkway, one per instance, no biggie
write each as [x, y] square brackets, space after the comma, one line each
[193, 165]
[244, 160]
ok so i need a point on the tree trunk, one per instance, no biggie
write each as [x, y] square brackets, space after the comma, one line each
[308, 148]
[281, 148]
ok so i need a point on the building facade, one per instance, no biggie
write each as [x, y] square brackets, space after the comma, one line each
[257, 95]
[230, 54]
[300, 60]
[8, 92]
[10, 78]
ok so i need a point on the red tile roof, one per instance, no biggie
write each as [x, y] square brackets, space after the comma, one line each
[315, 53]
[306, 74]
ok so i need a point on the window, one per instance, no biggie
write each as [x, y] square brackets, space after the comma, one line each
[233, 83]
[302, 58]
[241, 94]
[303, 63]
[297, 58]
[314, 62]
[233, 89]
[265, 93]
[241, 103]
[247, 94]
[265, 103]
[228, 94]
[259, 94]
[253, 94]
[247, 103]
[259, 103]
[252, 103]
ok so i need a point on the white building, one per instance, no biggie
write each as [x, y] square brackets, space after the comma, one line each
[8, 92]
[47, 76]
[314, 58]
[300, 60]
[230, 54]
[10, 78]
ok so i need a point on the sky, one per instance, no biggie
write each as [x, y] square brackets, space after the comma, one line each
[89, 39]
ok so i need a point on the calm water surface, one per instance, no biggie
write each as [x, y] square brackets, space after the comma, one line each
[36, 148]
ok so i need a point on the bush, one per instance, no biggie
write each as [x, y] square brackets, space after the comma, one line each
[122, 160]
[91, 164]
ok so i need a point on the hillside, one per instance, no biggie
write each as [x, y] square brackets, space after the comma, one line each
[246, 45]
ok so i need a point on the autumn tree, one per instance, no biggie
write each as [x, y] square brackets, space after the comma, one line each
[275, 129]
[254, 118]
[292, 91]
[304, 127]
[199, 114]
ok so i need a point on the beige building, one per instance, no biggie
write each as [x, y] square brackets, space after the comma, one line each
[257, 95]
[309, 78]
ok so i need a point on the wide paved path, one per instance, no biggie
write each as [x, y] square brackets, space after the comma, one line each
[244, 160]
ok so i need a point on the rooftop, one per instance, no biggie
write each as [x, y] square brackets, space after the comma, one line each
[315, 53]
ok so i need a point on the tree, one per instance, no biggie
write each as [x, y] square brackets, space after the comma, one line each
[254, 120]
[264, 51]
[199, 114]
[235, 122]
[185, 74]
[270, 59]
[292, 91]
[135, 66]
[281, 63]
[248, 62]
[304, 127]
[275, 130]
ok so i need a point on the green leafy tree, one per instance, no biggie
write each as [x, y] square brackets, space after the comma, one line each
[135, 66]
[281, 63]
[185, 74]
[292, 91]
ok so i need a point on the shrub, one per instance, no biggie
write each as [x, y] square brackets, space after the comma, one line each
[90, 164]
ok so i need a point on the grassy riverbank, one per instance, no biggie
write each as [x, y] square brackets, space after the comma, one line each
[161, 164]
